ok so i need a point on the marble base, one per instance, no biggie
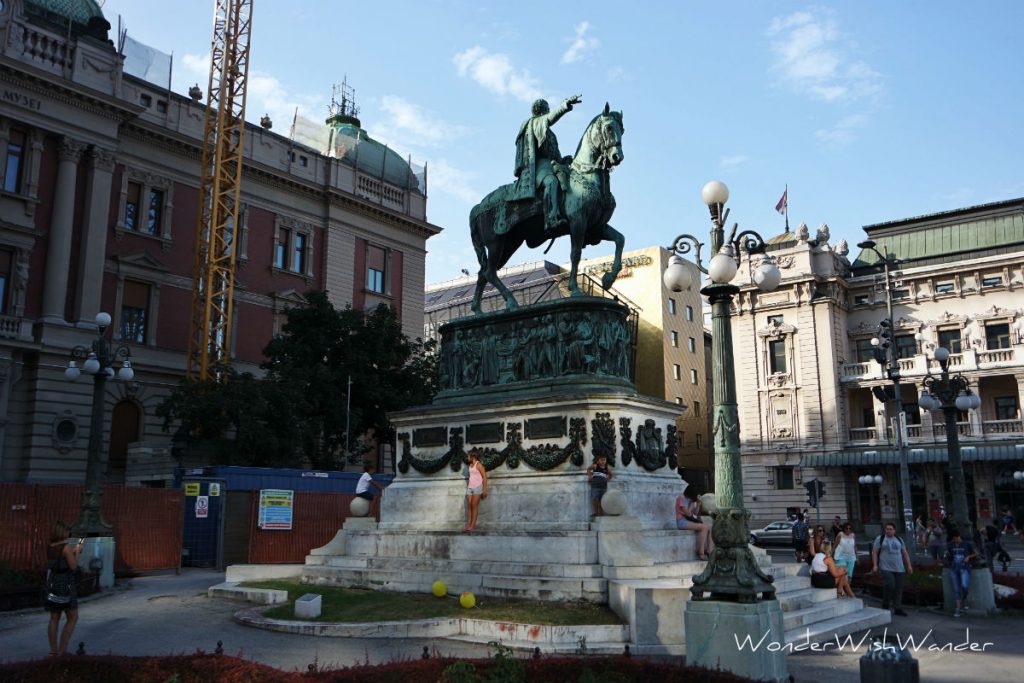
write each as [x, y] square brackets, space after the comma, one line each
[717, 633]
[523, 497]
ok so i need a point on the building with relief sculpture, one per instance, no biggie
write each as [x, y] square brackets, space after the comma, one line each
[670, 341]
[98, 207]
[812, 403]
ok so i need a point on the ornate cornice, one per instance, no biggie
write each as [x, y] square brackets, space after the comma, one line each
[48, 86]
[775, 329]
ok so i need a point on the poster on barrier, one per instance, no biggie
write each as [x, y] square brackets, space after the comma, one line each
[202, 507]
[276, 507]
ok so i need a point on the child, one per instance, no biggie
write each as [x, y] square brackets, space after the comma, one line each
[366, 481]
[476, 489]
[599, 474]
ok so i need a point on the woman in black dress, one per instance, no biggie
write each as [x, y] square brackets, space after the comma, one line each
[62, 562]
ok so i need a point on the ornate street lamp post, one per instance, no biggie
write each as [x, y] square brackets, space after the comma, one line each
[732, 572]
[887, 355]
[98, 360]
[952, 395]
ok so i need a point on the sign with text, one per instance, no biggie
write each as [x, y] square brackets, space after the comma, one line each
[276, 507]
[202, 507]
[191, 488]
[214, 488]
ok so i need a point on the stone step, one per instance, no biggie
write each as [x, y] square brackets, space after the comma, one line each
[842, 625]
[402, 581]
[800, 598]
[821, 611]
[559, 547]
[462, 566]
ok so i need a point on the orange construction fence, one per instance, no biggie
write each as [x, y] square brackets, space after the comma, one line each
[147, 524]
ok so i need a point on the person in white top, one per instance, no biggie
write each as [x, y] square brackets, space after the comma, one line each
[366, 481]
[846, 549]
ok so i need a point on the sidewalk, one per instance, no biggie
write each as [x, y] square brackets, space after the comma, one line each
[170, 614]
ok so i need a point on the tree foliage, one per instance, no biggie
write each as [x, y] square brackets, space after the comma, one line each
[296, 414]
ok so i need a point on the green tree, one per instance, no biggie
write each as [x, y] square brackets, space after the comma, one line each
[296, 414]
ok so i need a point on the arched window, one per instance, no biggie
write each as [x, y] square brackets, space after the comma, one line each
[124, 429]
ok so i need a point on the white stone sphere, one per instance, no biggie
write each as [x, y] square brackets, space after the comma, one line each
[613, 502]
[359, 507]
[708, 504]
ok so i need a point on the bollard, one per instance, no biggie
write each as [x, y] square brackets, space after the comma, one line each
[220, 648]
[887, 662]
[536, 653]
[426, 653]
[81, 648]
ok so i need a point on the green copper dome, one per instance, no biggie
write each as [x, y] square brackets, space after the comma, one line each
[353, 146]
[78, 11]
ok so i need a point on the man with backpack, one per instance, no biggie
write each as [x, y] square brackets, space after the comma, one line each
[889, 554]
[800, 537]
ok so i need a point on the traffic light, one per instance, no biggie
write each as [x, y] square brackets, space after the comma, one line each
[812, 493]
[815, 491]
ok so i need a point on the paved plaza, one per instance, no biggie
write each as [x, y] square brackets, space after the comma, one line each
[171, 614]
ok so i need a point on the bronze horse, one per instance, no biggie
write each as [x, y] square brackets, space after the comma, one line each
[499, 226]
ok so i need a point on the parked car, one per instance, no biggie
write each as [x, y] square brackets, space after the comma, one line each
[776, 533]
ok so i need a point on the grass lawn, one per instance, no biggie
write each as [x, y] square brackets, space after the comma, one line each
[352, 605]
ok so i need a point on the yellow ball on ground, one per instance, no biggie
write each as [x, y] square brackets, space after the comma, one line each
[439, 589]
[467, 600]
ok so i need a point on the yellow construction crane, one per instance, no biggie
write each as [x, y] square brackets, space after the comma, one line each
[219, 183]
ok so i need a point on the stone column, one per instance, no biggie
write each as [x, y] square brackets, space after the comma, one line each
[58, 255]
[94, 242]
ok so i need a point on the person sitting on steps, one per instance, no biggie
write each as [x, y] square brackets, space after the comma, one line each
[688, 518]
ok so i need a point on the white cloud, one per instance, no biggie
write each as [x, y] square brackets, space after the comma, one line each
[843, 132]
[811, 56]
[616, 73]
[408, 125]
[451, 180]
[580, 45]
[496, 73]
[732, 161]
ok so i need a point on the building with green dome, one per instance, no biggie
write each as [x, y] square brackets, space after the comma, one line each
[99, 174]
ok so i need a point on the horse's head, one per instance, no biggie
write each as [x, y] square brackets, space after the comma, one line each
[602, 142]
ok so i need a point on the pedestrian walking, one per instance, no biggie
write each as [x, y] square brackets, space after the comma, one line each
[799, 532]
[959, 555]
[889, 555]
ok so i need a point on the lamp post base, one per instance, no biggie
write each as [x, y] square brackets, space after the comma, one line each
[745, 639]
[732, 573]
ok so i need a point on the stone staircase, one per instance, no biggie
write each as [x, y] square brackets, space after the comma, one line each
[636, 571]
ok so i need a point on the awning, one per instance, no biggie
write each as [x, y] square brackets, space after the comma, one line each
[890, 456]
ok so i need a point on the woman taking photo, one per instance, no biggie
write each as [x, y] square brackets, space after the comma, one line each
[62, 595]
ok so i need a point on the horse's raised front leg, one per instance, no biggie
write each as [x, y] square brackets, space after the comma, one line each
[610, 234]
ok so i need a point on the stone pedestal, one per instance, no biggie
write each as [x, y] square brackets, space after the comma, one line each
[717, 638]
[981, 596]
[536, 452]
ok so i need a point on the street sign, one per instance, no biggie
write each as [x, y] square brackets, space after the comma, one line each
[202, 507]
[192, 488]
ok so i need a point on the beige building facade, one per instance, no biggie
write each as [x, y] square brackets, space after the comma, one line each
[811, 396]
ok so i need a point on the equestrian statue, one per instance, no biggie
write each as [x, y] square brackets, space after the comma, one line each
[551, 197]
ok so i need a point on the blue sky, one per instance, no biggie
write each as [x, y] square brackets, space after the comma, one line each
[870, 111]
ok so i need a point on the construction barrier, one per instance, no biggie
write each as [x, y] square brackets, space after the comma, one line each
[316, 518]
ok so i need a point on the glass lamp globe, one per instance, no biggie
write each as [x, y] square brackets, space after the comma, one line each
[91, 364]
[126, 373]
[767, 276]
[941, 354]
[715, 192]
[860, 479]
[723, 267]
[925, 400]
[677, 276]
[72, 372]
[878, 479]
[975, 401]
[103, 319]
[1018, 475]
[964, 402]
[874, 341]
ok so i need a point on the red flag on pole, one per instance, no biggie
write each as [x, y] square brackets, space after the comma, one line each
[783, 204]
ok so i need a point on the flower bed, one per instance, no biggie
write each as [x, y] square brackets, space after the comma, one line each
[199, 668]
[923, 586]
